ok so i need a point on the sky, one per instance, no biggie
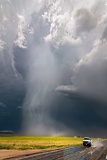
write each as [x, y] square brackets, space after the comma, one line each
[53, 67]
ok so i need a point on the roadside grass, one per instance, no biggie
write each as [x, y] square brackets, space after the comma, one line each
[36, 142]
[5, 146]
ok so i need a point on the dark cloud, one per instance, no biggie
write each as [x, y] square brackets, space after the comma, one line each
[12, 92]
[21, 57]
[80, 116]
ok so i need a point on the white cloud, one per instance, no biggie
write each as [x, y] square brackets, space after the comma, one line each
[89, 74]
[21, 39]
[66, 88]
[2, 43]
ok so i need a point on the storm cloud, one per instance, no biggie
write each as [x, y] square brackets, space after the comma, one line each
[53, 69]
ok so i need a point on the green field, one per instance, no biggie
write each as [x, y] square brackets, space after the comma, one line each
[34, 142]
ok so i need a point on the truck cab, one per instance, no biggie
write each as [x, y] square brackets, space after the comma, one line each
[87, 142]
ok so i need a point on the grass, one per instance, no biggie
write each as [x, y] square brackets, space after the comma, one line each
[36, 142]
[5, 146]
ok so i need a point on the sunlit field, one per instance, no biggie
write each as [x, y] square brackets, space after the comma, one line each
[34, 142]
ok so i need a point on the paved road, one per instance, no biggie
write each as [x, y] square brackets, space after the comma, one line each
[60, 154]
[71, 153]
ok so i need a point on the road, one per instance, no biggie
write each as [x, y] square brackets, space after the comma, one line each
[71, 153]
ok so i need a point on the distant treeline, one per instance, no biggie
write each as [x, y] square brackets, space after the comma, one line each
[4, 133]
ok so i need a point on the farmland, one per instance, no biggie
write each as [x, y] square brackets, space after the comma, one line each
[37, 142]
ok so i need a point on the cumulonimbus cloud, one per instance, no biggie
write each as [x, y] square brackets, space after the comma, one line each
[65, 45]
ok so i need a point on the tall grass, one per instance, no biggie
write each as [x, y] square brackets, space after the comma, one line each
[37, 142]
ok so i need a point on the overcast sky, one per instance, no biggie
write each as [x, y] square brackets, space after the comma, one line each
[53, 67]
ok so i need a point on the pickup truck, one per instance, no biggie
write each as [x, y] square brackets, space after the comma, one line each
[87, 142]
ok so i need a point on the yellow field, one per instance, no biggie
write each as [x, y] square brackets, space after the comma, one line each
[34, 142]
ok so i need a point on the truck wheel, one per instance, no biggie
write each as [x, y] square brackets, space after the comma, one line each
[89, 145]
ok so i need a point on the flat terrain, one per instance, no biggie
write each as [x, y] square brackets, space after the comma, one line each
[15, 146]
[70, 153]
[17, 153]
[34, 142]
[50, 148]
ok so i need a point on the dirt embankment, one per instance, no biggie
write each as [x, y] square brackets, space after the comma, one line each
[15, 153]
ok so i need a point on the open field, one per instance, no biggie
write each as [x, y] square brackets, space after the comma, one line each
[34, 142]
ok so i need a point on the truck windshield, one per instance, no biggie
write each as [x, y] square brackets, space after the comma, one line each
[87, 138]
